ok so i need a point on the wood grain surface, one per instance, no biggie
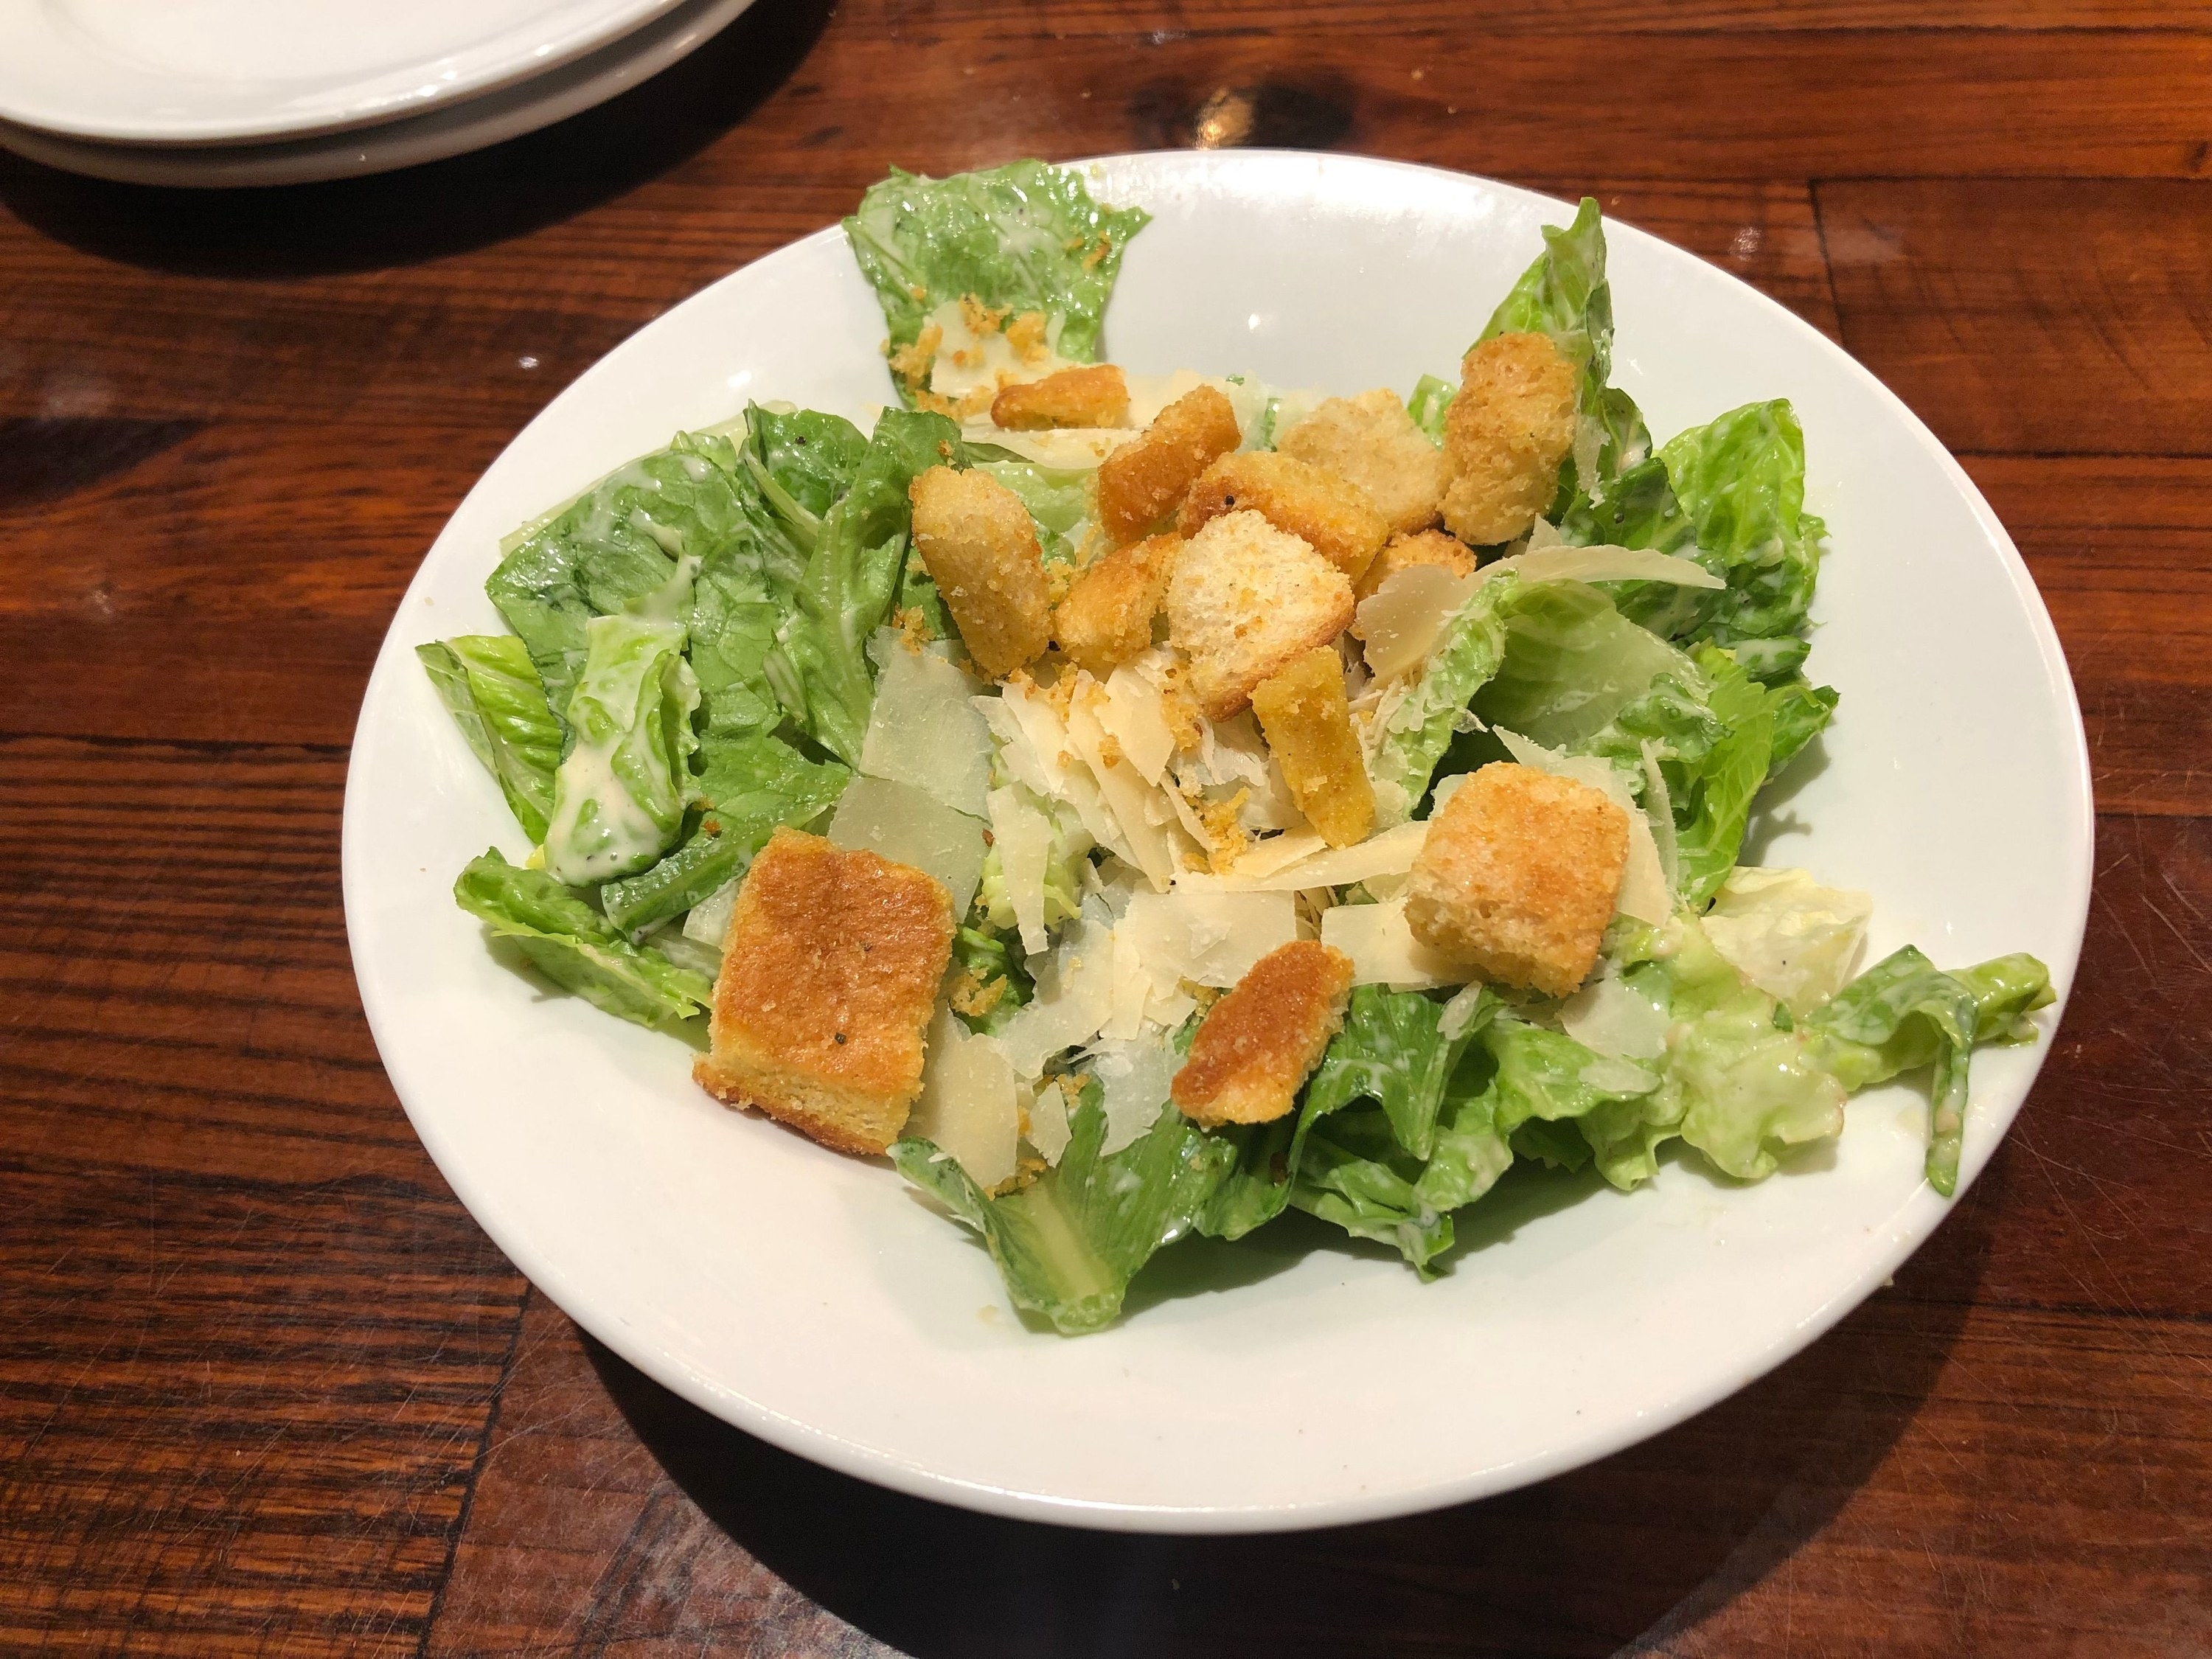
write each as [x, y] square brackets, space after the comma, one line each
[264, 1385]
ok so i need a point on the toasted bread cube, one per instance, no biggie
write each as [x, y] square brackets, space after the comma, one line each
[1517, 878]
[1095, 395]
[1245, 599]
[1308, 722]
[1371, 442]
[1107, 616]
[1334, 517]
[1505, 435]
[977, 541]
[1258, 1045]
[1147, 478]
[1403, 552]
[830, 973]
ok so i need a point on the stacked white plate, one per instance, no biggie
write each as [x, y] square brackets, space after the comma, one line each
[273, 91]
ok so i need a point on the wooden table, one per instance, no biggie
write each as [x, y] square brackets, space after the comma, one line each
[264, 1386]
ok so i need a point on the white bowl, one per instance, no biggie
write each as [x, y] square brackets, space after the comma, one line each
[813, 1300]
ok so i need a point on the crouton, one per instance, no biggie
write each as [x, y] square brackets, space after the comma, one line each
[1371, 442]
[1147, 478]
[1257, 1045]
[977, 542]
[1403, 552]
[1244, 600]
[1517, 878]
[1107, 616]
[1505, 435]
[1307, 723]
[1074, 397]
[829, 972]
[1334, 517]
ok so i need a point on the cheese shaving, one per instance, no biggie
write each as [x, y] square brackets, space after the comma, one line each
[1383, 950]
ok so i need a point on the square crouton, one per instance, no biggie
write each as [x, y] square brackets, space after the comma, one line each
[1258, 1045]
[1245, 599]
[1519, 876]
[1107, 616]
[1371, 442]
[1308, 722]
[1505, 435]
[981, 548]
[1147, 478]
[1334, 517]
[1403, 552]
[1094, 396]
[830, 973]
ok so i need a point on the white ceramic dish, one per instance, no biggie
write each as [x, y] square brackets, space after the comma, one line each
[449, 129]
[208, 71]
[813, 1300]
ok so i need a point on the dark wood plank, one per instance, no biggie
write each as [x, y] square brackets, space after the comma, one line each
[2050, 315]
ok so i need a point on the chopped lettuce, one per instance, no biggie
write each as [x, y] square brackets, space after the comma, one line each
[577, 948]
[1059, 501]
[488, 684]
[619, 797]
[1025, 237]
[1418, 730]
[1431, 398]
[1069, 1243]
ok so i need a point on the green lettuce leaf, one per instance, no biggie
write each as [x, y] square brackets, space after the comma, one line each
[819, 667]
[488, 684]
[1571, 664]
[577, 948]
[1904, 1012]
[1059, 502]
[1431, 398]
[1024, 236]
[1068, 1243]
[620, 794]
[751, 785]
[808, 458]
[1416, 734]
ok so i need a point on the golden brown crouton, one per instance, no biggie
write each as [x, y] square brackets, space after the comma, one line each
[829, 972]
[1307, 724]
[1096, 396]
[1517, 877]
[1258, 1043]
[1334, 517]
[1505, 435]
[1403, 552]
[976, 539]
[1244, 600]
[1147, 478]
[1107, 616]
[1371, 442]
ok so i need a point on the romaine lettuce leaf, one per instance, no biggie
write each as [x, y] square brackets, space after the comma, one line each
[750, 784]
[819, 667]
[1571, 664]
[577, 948]
[1059, 501]
[1431, 398]
[1024, 236]
[1904, 1012]
[621, 792]
[488, 684]
[808, 458]
[1069, 1243]
[1419, 729]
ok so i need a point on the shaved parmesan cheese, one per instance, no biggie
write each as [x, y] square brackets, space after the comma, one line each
[1151, 841]
[969, 1106]
[923, 729]
[898, 822]
[1265, 858]
[1391, 853]
[1049, 1122]
[1599, 564]
[1609, 1015]
[1132, 715]
[1074, 995]
[1132, 986]
[1788, 934]
[1232, 755]
[1208, 938]
[1023, 835]
[1150, 393]
[1383, 950]
[1057, 766]
[968, 363]
[1133, 1078]
[1402, 620]
[1644, 893]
